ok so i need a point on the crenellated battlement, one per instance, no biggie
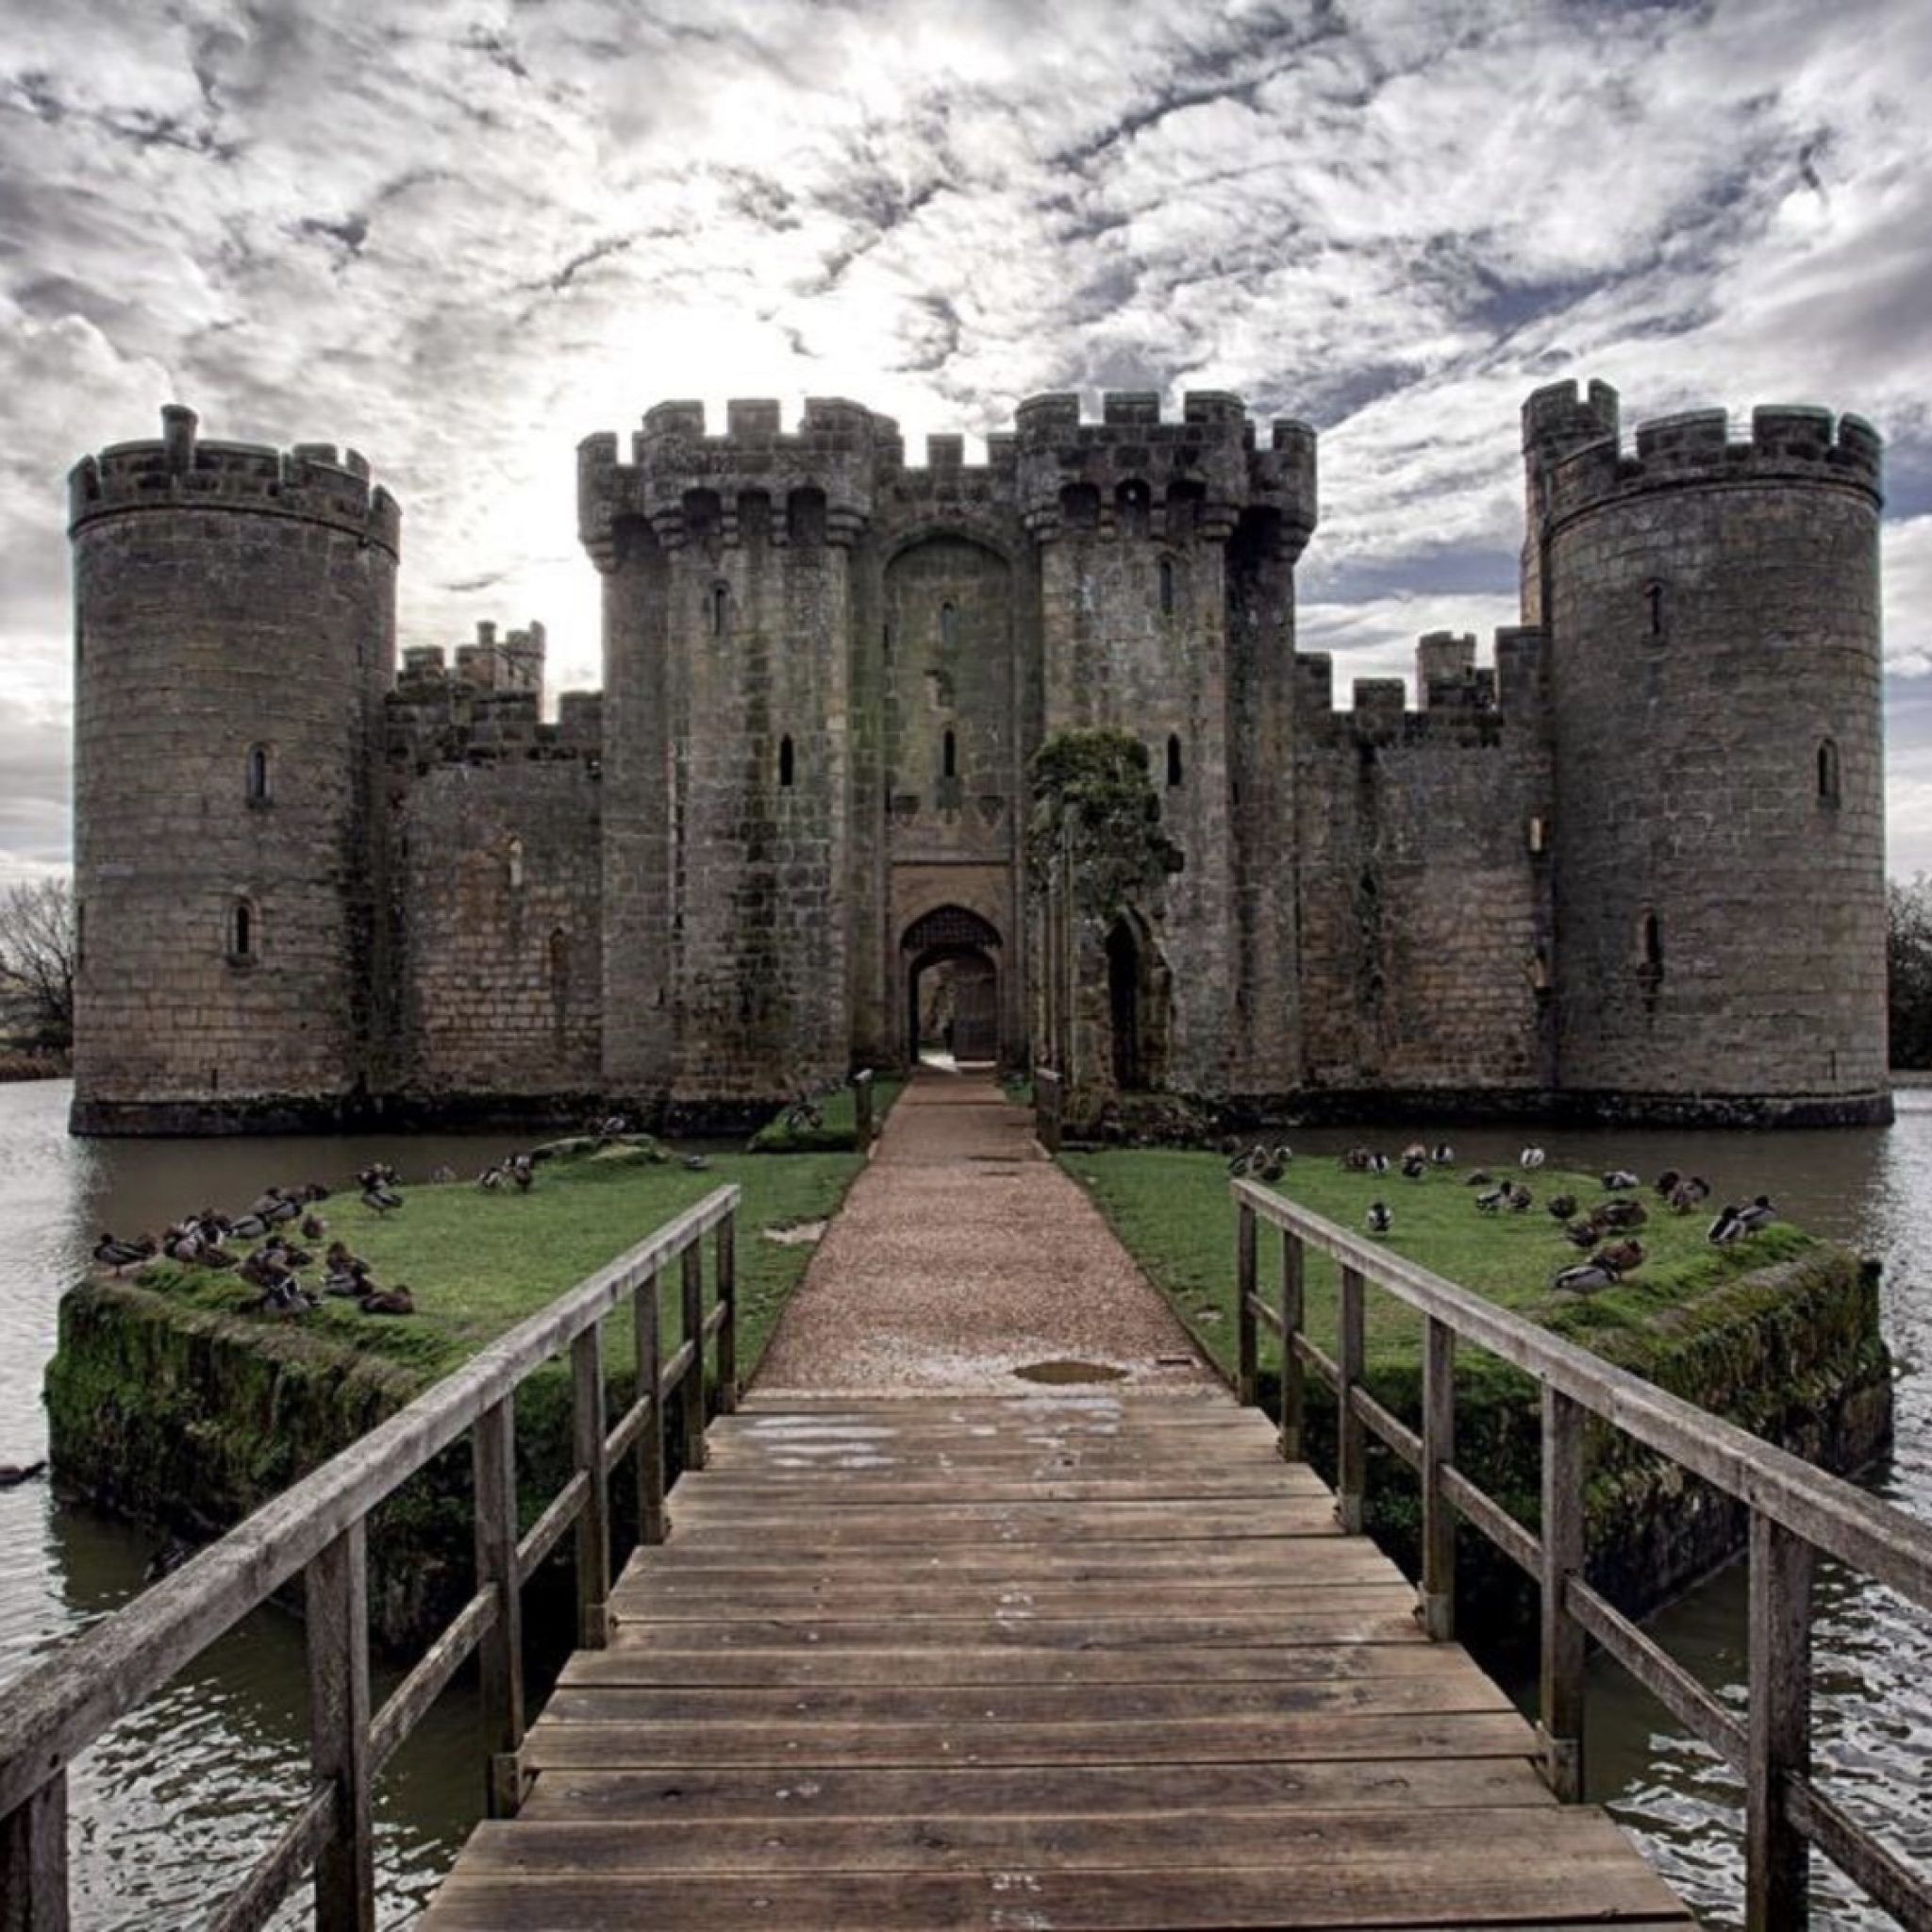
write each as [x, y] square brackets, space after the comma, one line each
[1788, 444]
[311, 482]
[1133, 471]
[441, 715]
[1459, 703]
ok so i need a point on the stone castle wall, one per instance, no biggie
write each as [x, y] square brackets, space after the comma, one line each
[234, 637]
[1634, 864]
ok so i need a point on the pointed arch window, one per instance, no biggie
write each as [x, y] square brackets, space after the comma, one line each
[1829, 778]
[256, 779]
[245, 931]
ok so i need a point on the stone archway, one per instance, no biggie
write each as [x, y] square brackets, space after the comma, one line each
[951, 961]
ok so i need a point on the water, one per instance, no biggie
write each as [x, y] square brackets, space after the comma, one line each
[159, 1830]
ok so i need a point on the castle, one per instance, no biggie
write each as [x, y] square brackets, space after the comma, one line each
[1634, 866]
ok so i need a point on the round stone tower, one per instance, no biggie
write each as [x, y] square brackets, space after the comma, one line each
[234, 636]
[1718, 845]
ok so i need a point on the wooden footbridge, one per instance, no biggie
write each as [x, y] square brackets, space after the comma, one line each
[1060, 1662]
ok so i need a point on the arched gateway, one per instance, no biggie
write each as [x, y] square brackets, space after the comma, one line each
[951, 962]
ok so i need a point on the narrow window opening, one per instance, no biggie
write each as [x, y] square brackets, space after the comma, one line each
[1174, 759]
[560, 964]
[1650, 943]
[242, 932]
[1166, 586]
[1536, 835]
[1827, 773]
[949, 756]
[258, 774]
[949, 627]
[1654, 607]
[513, 856]
[786, 764]
[721, 607]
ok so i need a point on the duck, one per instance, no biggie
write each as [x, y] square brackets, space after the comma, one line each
[1756, 1213]
[389, 1301]
[491, 1178]
[1441, 1155]
[697, 1163]
[1668, 1181]
[184, 1245]
[266, 1203]
[248, 1227]
[313, 1192]
[1379, 1219]
[1691, 1193]
[1620, 1180]
[523, 1174]
[1415, 1151]
[1274, 1164]
[1358, 1159]
[119, 1255]
[1491, 1201]
[166, 1561]
[611, 1127]
[1728, 1226]
[14, 1473]
[1520, 1200]
[1584, 1277]
[1620, 1214]
[339, 1260]
[1562, 1206]
[1414, 1166]
[379, 1197]
[1480, 1178]
[1621, 1256]
[1531, 1158]
[214, 1256]
[313, 1227]
[442, 1174]
[1583, 1234]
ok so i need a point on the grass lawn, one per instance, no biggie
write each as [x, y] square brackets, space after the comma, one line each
[837, 1129]
[478, 1263]
[1174, 1213]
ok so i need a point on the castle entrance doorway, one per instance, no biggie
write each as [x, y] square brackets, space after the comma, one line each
[951, 959]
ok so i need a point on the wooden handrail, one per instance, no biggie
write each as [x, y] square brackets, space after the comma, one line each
[1797, 1513]
[317, 1527]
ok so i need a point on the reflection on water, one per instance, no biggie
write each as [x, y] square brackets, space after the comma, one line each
[178, 1800]
[158, 1831]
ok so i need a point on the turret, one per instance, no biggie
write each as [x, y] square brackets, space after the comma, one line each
[1712, 610]
[234, 635]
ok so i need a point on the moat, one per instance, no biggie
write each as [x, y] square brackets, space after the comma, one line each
[238, 1711]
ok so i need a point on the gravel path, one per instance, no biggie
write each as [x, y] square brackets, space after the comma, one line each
[963, 1253]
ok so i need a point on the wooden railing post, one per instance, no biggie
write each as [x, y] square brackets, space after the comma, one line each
[1350, 1440]
[500, 1655]
[1048, 1100]
[863, 1128]
[725, 1260]
[650, 1353]
[1294, 1375]
[1247, 1343]
[1776, 1853]
[693, 1389]
[1562, 1727]
[594, 1525]
[1439, 1448]
[335, 1592]
[33, 1862]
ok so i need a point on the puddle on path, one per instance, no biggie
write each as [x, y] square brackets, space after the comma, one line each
[1063, 1370]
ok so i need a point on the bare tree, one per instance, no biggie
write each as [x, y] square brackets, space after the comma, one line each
[38, 948]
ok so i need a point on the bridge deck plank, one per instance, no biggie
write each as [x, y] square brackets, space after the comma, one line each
[908, 1664]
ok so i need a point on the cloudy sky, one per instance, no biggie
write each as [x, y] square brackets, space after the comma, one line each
[462, 234]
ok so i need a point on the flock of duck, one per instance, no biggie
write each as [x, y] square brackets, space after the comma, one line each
[286, 1223]
[1604, 1232]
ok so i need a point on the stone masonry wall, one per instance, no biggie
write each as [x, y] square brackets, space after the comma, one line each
[1720, 834]
[234, 636]
[1424, 906]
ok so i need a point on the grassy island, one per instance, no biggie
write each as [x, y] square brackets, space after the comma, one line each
[172, 1402]
[1778, 1332]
